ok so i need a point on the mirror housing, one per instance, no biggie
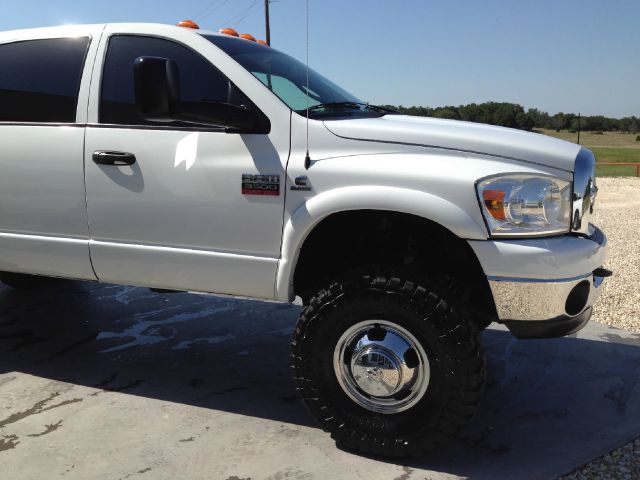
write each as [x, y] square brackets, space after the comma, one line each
[157, 92]
[157, 88]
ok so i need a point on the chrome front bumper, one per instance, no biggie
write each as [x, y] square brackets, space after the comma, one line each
[531, 294]
[536, 300]
[547, 309]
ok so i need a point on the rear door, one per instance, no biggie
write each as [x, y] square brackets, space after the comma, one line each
[43, 218]
[178, 217]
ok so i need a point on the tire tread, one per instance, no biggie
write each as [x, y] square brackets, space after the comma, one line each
[454, 330]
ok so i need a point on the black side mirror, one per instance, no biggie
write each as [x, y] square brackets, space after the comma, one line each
[157, 88]
[157, 91]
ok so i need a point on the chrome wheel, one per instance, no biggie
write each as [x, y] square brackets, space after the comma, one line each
[381, 366]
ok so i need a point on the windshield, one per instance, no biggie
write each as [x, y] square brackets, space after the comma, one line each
[287, 78]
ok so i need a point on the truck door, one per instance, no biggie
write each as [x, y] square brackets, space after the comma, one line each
[166, 202]
[43, 217]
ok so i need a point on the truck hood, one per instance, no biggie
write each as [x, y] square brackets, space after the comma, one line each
[461, 136]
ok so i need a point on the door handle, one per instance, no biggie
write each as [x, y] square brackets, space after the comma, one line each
[106, 157]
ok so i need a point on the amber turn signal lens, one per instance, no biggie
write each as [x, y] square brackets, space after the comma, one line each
[262, 42]
[228, 31]
[494, 202]
[188, 24]
[246, 36]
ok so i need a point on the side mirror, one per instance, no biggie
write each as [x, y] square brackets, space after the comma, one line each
[157, 88]
[157, 91]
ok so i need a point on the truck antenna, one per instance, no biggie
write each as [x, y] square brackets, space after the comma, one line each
[307, 158]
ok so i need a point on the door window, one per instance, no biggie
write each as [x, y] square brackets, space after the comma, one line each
[199, 80]
[40, 79]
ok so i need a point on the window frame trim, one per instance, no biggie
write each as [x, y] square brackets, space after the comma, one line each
[154, 126]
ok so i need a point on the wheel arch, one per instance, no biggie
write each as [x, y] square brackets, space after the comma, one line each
[362, 200]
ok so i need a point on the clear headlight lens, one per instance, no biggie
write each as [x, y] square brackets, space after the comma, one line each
[525, 205]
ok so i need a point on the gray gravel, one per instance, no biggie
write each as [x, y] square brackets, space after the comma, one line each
[621, 464]
[618, 214]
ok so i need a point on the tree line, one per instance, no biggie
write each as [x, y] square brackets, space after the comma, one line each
[514, 116]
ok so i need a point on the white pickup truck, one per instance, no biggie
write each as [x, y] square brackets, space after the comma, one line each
[175, 158]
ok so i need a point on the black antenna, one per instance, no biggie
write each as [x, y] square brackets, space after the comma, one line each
[307, 158]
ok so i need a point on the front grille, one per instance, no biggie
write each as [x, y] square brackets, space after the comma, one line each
[584, 191]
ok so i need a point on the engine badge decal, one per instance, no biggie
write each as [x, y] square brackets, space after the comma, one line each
[301, 184]
[260, 184]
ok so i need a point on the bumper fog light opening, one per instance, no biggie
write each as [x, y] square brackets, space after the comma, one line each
[577, 299]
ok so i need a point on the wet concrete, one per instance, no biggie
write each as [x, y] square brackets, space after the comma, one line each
[102, 381]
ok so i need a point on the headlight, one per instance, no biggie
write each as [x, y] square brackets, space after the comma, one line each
[525, 205]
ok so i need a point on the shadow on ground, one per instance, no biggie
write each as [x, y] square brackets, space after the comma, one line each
[549, 407]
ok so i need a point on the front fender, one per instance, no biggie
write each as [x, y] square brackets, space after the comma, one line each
[303, 220]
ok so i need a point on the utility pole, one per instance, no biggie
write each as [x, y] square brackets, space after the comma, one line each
[578, 129]
[266, 21]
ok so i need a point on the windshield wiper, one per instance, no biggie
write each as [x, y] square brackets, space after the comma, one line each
[354, 105]
[320, 106]
[381, 109]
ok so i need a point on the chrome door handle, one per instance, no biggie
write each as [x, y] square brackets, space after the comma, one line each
[107, 157]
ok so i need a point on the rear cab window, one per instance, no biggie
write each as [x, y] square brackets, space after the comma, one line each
[40, 79]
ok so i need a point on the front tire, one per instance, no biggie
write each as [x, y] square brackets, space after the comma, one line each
[388, 366]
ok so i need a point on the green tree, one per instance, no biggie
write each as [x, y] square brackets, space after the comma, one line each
[514, 116]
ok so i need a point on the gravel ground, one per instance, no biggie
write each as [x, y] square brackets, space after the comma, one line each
[618, 214]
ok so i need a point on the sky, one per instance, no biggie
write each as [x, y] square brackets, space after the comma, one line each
[580, 56]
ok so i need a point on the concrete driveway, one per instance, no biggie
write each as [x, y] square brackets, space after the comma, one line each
[109, 382]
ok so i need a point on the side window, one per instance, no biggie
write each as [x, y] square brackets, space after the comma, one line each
[40, 79]
[199, 80]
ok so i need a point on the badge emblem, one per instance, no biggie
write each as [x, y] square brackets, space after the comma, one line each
[260, 184]
[301, 184]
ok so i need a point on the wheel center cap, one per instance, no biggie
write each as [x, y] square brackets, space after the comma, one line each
[377, 371]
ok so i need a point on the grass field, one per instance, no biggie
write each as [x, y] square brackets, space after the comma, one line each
[608, 147]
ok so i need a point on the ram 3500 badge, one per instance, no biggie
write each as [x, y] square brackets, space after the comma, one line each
[404, 237]
[260, 184]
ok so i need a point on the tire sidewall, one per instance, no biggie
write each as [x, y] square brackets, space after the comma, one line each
[353, 308]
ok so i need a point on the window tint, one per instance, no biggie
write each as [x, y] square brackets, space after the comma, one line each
[40, 79]
[199, 80]
[283, 75]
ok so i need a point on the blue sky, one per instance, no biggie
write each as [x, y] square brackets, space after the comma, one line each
[556, 55]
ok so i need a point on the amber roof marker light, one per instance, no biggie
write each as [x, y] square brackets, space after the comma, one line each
[246, 36]
[229, 31]
[188, 24]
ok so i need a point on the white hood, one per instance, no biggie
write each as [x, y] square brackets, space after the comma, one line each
[462, 136]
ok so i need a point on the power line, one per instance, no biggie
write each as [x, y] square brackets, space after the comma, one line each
[236, 19]
[217, 7]
[249, 12]
[211, 5]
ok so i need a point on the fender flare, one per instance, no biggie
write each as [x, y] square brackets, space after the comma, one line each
[421, 204]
